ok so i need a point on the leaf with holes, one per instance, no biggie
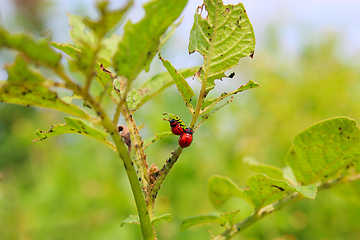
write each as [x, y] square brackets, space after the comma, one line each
[321, 150]
[27, 87]
[108, 19]
[37, 51]
[74, 125]
[141, 40]
[223, 37]
[264, 190]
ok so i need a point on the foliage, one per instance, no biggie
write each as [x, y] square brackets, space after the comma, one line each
[322, 156]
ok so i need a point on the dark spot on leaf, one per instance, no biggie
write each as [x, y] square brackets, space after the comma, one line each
[208, 27]
[326, 176]
[252, 54]
[240, 18]
[26, 105]
[340, 128]
[348, 137]
[227, 10]
[23, 93]
[72, 129]
[139, 178]
[132, 163]
[280, 188]
[51, 130]
[209, 39]
[231, 75]
[86, 132]
[79, 131]
[98, 113]
[125, 166]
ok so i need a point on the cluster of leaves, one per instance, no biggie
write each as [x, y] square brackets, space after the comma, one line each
[223, 37]
[322, 156]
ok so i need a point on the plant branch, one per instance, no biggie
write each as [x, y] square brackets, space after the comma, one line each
[261, 213]
[145, 223]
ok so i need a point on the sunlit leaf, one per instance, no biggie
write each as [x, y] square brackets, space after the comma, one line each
[141, 40]
[321, 150]
[223, 37]
[74, 125]
[225, 220]
[220, 189]
[264, 190]
[38, 51]
[182, 85]
[133, 99]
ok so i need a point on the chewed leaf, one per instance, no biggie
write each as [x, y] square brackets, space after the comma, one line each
[220, 189]
[182, 85]
[39, 52]
[264, 190]
[109, 18]
[166, 217]
[269, 170]
[26, 87]
[74, 125]
[323, 149]
[141, 40]
[79, 33]
[132, 219]
[133, 99]
[74, 52]
[223, 37]
[225, 220]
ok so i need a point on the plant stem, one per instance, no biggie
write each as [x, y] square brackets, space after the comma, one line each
[147, 229]
[261, 213]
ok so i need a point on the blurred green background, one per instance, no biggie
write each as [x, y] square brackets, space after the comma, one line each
[72, 187]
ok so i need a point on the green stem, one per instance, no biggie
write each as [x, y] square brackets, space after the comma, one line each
[261, 213]
[145, 223]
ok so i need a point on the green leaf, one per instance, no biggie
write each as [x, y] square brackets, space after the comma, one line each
[108, 18]
[102, 77]
[26, 87]
[220, 189]
[39, 52]
[166, 217]
[223, 37]
[226, 220]
[269, 170]
[182, 85]
[133, 99]
[141, 40]
[207, 104]
[264, 190]
[159, 82]
[132, 219]
[74, 125]
[321, 150]
[157, 137]
[79, 33]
